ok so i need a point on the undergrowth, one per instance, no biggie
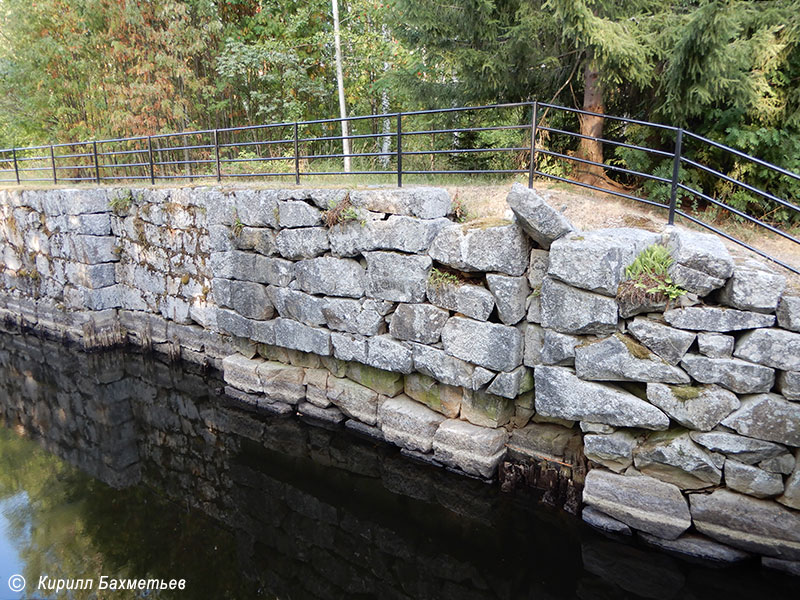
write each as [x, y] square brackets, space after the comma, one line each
[648, 278]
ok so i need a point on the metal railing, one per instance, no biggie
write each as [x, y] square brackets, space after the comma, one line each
[398, 145]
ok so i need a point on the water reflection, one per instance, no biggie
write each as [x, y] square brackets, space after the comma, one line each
[158, 475]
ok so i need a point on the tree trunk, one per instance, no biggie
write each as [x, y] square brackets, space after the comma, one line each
[591, 126]
[337, 42]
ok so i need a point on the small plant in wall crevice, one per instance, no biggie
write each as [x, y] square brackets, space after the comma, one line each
[648, 278]
[342, 212]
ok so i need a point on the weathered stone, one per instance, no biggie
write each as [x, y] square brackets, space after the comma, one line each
[696, 546]
[791, 494]
[443, 367]
[397, 277]
[422, 202]
[754, 525]
[770, 347]
[232, 265]
[767, 417]
[701, 252]
[384, 382]
[512, 383]
[251, 300]
[641, 502]
[473, 301]
[537, 268]
[696, 407]
[242, 373]
[569, 310]
[695, 282]
[481, 377]
[539, 220]
[299, 306]
[258, 239]
[789, 384]
[510, 295]
[473, 449]
[753, 287]
[789, 313]
[331, 276]
[614, 451]
[296, 336]
[546, 442]
[619, 358]
[599, 520]
[408, 424]
[596, 260]
[272, 271]
[558, 348]
[476, 246]
[282, 383]
[305, 242]
[588, 427]
[791, 567]
[330, 414]
[672, 456]
[486, 410]
[296, 213]
[744, 449]
[534, 304]
[630, 305]
[711, 318]
[497, 347]
[418, 323]
[715, 345]
[364, 317]
[234, 324]
[388, 354]
[442, 398]
[751, 480]
[559, 393]
[405, 234]
[316, 382]
[354, 400]
[783, 464]
[669, 343]
[736, 375]
[256, 208]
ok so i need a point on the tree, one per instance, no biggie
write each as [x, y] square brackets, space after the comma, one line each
[340, 87]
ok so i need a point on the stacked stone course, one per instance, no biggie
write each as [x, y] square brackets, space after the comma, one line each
[464, 344]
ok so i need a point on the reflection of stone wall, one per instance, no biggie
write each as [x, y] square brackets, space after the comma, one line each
[463, 344]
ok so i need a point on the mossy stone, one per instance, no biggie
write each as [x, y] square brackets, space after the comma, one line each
[444, 399]
[383, 382]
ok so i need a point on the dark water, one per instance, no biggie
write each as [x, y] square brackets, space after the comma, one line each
[121, 465]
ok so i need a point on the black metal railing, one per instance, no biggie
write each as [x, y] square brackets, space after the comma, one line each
[499, 139]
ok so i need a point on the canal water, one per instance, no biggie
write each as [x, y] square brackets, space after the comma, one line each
[125, 466]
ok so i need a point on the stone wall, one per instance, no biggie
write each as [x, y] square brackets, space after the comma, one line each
[469, 345]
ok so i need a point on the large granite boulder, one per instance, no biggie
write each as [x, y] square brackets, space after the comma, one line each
[774, 348]
[490, 345]
[711, 318]
[473, 301]
[669, 343]
[767, 417]
[753, 287]
[743, 522]
[418, 323]
[539, 220]
[397, 277]
[697, 407]
[737, 375]
[408, 424]
[355, 400]
[789, 312]
[619, 358]
[482, 246]
[510, 295]
[596, 260]
[421, 202]
[672, 456]
[613, 450]
[641, 502]
[473, 449]
[560, 393]
[701, 264]
[331, 276]
[746, 450]
[751, 480]
[569, 310]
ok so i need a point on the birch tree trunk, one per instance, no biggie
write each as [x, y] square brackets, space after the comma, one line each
[337, 42]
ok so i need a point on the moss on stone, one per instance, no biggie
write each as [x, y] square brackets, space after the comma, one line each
[485, 223]
[634, 348]
[685, 392]
[378, 380]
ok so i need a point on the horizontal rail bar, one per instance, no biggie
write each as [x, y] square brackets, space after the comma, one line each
[466, 172]
[28, 158]
[74, 155]
[259, 159]
[348, 137]
[184, 176]
[604, 165]
[599, 189]
[465, 108]
[744, 155]
[167, 135]
[257, 174]
[464, 130]
[69, 167]
[260, 143]
[610, 117]
[605, 141]
[465, 151]
[746, 186]
[350, 173]
[183, 162]
[108, 166]
[736, 240]
[123, 152]
[177, 148]
[352, 155]
[735, 211]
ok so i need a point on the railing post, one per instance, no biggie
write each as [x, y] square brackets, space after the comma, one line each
[53, 162]
[676, 169]
[150, 156]
[534, 126]
[399, 150]
[296, 157]
[16, 164]
[96, 163]
[216, 151]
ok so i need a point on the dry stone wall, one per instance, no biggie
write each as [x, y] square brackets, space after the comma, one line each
[469, 345]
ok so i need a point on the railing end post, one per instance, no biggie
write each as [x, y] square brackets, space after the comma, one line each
[676, 170]
[399, 149]
[534, 126]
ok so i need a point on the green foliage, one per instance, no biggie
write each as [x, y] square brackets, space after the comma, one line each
[342, 212]
[120, 203]
[648, 276]
[438, 279]
[653, 260]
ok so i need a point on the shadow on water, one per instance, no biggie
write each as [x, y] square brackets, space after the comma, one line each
[132, 467]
